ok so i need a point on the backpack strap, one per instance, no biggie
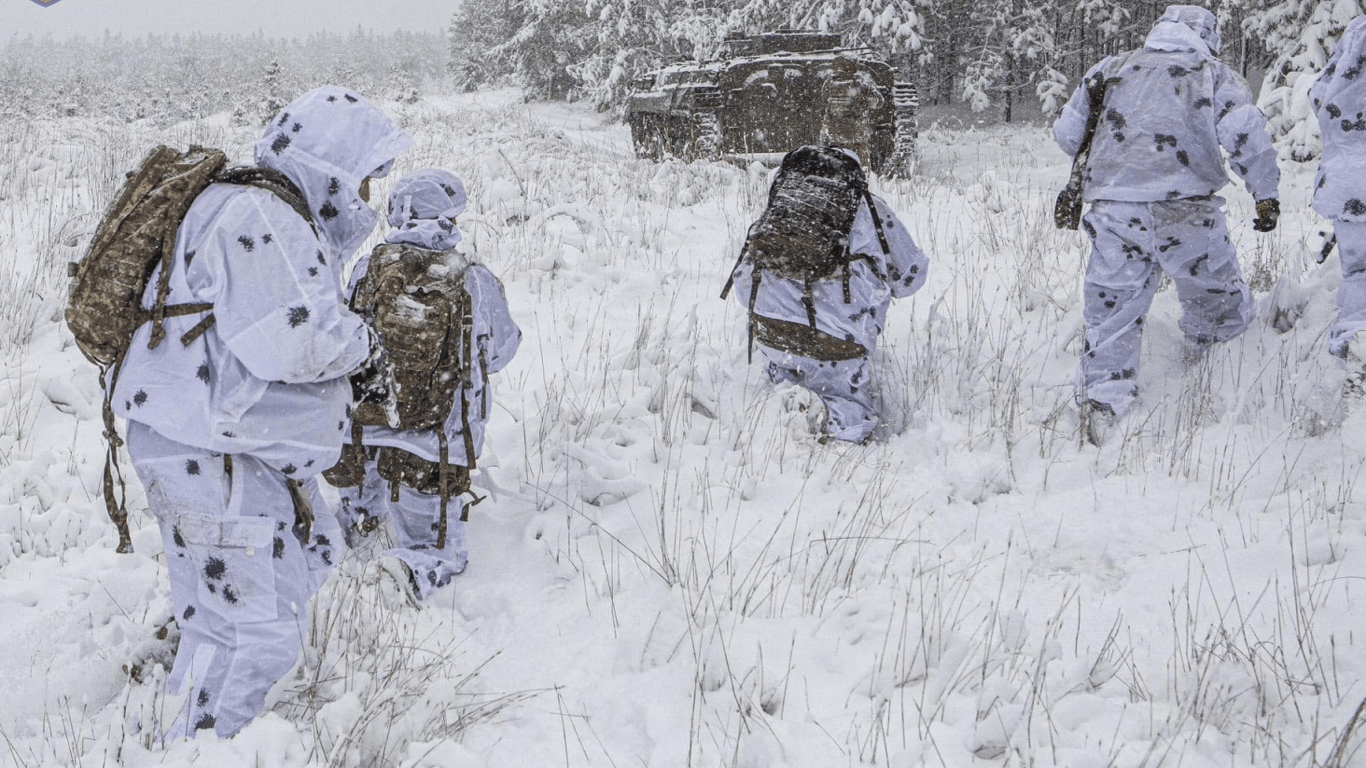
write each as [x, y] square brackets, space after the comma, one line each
[881, 239]
[118, 510]
[273, 182]
[464, 312]
[484, 382]
[303, 510]
[466, 316]
[755, 277]
[443, 489]
[730, 281]
[809, 302]
[877, 223]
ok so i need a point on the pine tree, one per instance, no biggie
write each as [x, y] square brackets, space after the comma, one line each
[555, 36]
[403, 83]
[274, 98]
[477, 28]
[1014, 47]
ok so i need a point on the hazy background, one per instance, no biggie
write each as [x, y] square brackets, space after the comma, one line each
[286, 18]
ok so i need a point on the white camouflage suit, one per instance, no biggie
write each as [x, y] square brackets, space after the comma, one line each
[266, 386]
[1339, 100]
[844, 386]
[422, 210]
[1154, 170]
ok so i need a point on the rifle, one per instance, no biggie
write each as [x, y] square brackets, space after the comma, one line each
[1067, 209]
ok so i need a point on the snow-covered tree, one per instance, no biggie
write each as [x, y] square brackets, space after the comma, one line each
[891, 25]
[1301, 35]
[274, 93]
[555, 35]
[476, 29]
[402, 83]
[1012, 47]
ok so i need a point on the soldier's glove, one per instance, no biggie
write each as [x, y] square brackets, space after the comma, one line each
[1067, 208]
[372, 386]
[1268, 212]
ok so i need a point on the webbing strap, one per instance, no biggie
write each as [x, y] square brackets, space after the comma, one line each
[730, 281]
[466, 342]
[117, 509]
[809, 302]
[484, 383]
[303, 511]
[753, 295]
[163, 291]
[198, 330]
[444, 489]
[877, 223]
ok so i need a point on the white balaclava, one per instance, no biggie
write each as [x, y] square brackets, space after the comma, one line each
[328, 141]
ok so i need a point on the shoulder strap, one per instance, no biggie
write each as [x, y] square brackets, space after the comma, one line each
[271, 181]
[877, 223]
[1098, 88]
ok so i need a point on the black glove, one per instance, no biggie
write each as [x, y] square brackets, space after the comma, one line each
[1268, 212]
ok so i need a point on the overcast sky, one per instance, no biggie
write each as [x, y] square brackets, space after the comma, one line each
[279, 18]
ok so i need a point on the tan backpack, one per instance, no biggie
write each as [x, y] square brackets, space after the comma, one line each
[137, 234]
[418, 304]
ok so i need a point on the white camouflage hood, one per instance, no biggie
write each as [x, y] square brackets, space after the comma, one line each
[327, 142]
[423, 207]
[1183, 27]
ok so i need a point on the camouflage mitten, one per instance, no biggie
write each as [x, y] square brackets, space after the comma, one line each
[1268, 212]
[372, 386]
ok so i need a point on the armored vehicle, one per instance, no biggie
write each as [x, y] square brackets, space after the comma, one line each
[766, 94]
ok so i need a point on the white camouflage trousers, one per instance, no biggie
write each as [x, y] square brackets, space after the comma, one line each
[413, 521]
[844, 386]
[241, 577]
[1351, 316]
[1131, 242]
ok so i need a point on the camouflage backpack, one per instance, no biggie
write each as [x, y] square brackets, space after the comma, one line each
[136, 235]
[417, 303]
[803, 236]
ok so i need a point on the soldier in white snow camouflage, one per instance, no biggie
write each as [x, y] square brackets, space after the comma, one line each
[227, 432]
[423, 207]
[843, 381]
[1152, 180]
[1339, 100]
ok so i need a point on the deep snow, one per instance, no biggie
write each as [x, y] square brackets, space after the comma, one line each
[670, 570]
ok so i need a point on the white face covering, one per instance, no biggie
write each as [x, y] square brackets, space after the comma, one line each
[327, 142]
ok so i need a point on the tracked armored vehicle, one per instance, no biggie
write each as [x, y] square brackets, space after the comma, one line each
[765, 94]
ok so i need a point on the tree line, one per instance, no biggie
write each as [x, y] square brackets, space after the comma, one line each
[169, 78]
[1001, 58]
[994, 56]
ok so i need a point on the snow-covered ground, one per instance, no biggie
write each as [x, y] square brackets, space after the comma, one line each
[670, 569]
